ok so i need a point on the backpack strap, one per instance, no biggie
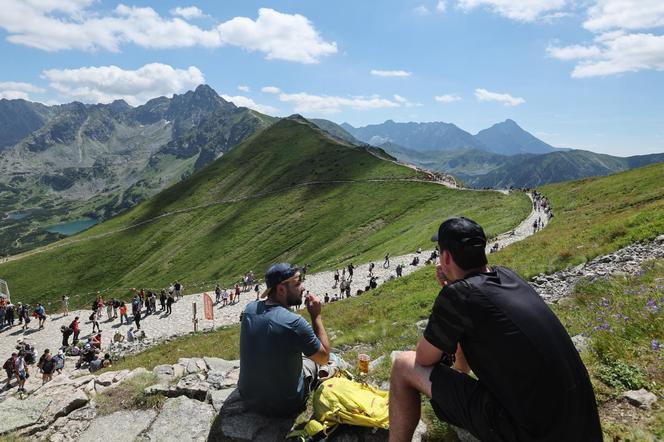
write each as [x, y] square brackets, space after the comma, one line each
[312, 428]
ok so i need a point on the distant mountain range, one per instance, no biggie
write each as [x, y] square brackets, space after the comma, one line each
[506, 138]
[501, 156]
[80, 160]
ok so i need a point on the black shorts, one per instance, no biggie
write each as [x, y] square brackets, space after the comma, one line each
[462, 401]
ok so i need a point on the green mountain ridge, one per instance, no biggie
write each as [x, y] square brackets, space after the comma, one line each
[289, 193]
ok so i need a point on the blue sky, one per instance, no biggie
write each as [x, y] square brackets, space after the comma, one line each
[576, 73]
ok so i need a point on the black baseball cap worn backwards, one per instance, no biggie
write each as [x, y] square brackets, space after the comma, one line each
[460, 232]
[276, 274]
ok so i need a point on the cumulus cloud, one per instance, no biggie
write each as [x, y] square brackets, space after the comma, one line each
[625, 14]
[289, 37]
[325, 104]
[187, 13]
[421, 10]
[13, 90]
[242, 101]
[244, 88]
[403, 101]
[69, 24]
[519, 10]
[399, 73]
[271, 90]
[506, 99]
[441, 6]
[447, 98]
[104, 84]
[573, 52]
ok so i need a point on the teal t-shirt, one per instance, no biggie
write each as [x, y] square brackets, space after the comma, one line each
[272, 342]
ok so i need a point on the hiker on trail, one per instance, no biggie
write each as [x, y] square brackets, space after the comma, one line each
[351, 268]
[100, 305]
[415, 261]
[65, 305]
[279, 350]
[178, 290]
[535, 224]
[40, 313]
[9, 369]
[76, 329]
[9, 314]
[530, 383]
[347, 289]
[304, 271]
[25, 315]
[237, 293]
[336, 279]
[136, 311]
[47, 366]
[21, 370]
[123, 313]
[224, 298]
[371, 267]
[66, 333]
[94, 317]
[342, 288]
[96, 341]
[399, 270]
[257, 289]
[59, 361]
[217, 294]
[326, 299]
[386, 263]
[162, 300]
[169, 304]
[109, 309]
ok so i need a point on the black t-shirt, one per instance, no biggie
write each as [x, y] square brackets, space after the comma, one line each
[520, 352]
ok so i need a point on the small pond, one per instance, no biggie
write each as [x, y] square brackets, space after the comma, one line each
[73, 227]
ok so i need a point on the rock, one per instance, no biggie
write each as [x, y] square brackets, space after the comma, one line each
[236, 422]
[158, 389]
[193, 366]
[582, 343]
[69, 428]
[136, 372]
[640, 398]
[106, 379]
[376, 362]
[218, 364]
[193, 387]
[120, 375]
[64, 401]
[660, 239]
[170, 425]
[216, 379]
[218, 397]
[420, 432]
[421, 325]
[80, 381]
[165, 372]
[178, 371]
[89, 388]
[16, 414]
[119, 426]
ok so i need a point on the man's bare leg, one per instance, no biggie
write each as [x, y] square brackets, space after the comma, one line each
[407, 382]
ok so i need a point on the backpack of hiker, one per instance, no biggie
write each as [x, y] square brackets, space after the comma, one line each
[341, 400]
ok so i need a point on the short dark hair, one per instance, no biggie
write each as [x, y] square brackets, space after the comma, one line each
[465, 240]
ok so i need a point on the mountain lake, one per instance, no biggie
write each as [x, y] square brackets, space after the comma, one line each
[73, 227]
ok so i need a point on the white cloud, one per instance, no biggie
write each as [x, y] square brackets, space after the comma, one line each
[244, 88]
[380, 73]
[242, 101]
[67, 24]
[421, 10]
[573, 52]
[14, 90]
[506, 99]
[625, 14]
[325, 104]
[289, 37]
[187, 13]
[624, 53]
[271, 90]
[14, 95]
[441, 6]
[403, 101]
[519, 10]
[447, 98]
[104, 84]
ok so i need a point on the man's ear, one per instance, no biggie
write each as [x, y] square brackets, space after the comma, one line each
[447, 257]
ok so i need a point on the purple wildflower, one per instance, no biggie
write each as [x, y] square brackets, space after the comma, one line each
[656, 345]
[652, 306]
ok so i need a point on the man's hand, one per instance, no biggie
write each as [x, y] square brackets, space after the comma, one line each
[440, 276]
[314, 306]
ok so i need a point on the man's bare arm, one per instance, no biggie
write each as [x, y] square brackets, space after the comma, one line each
[427, 354]
[322, 356]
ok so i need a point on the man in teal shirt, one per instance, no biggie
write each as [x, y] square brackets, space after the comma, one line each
[274, 378]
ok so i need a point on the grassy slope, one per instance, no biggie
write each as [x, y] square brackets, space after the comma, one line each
[382, 320]
[319, 224]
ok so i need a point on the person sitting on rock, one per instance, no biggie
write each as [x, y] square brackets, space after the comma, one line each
[275, 379]
[97, 364]
[530, 382]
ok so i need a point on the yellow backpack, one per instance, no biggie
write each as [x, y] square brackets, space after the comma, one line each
[340, 400]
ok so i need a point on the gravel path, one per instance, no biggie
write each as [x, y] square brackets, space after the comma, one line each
[180, 321]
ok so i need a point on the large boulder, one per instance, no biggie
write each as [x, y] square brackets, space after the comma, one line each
[181, 419]
[192, 386]
[218, 397]
[222, 365]
[69, 428]
[236, 422]
[640, 398]
[165, 372]
[16, 414]
[120, 426]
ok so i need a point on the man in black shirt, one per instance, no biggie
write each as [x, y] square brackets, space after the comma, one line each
[532, 384]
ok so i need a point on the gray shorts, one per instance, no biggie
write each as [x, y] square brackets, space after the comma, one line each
[310, 370]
